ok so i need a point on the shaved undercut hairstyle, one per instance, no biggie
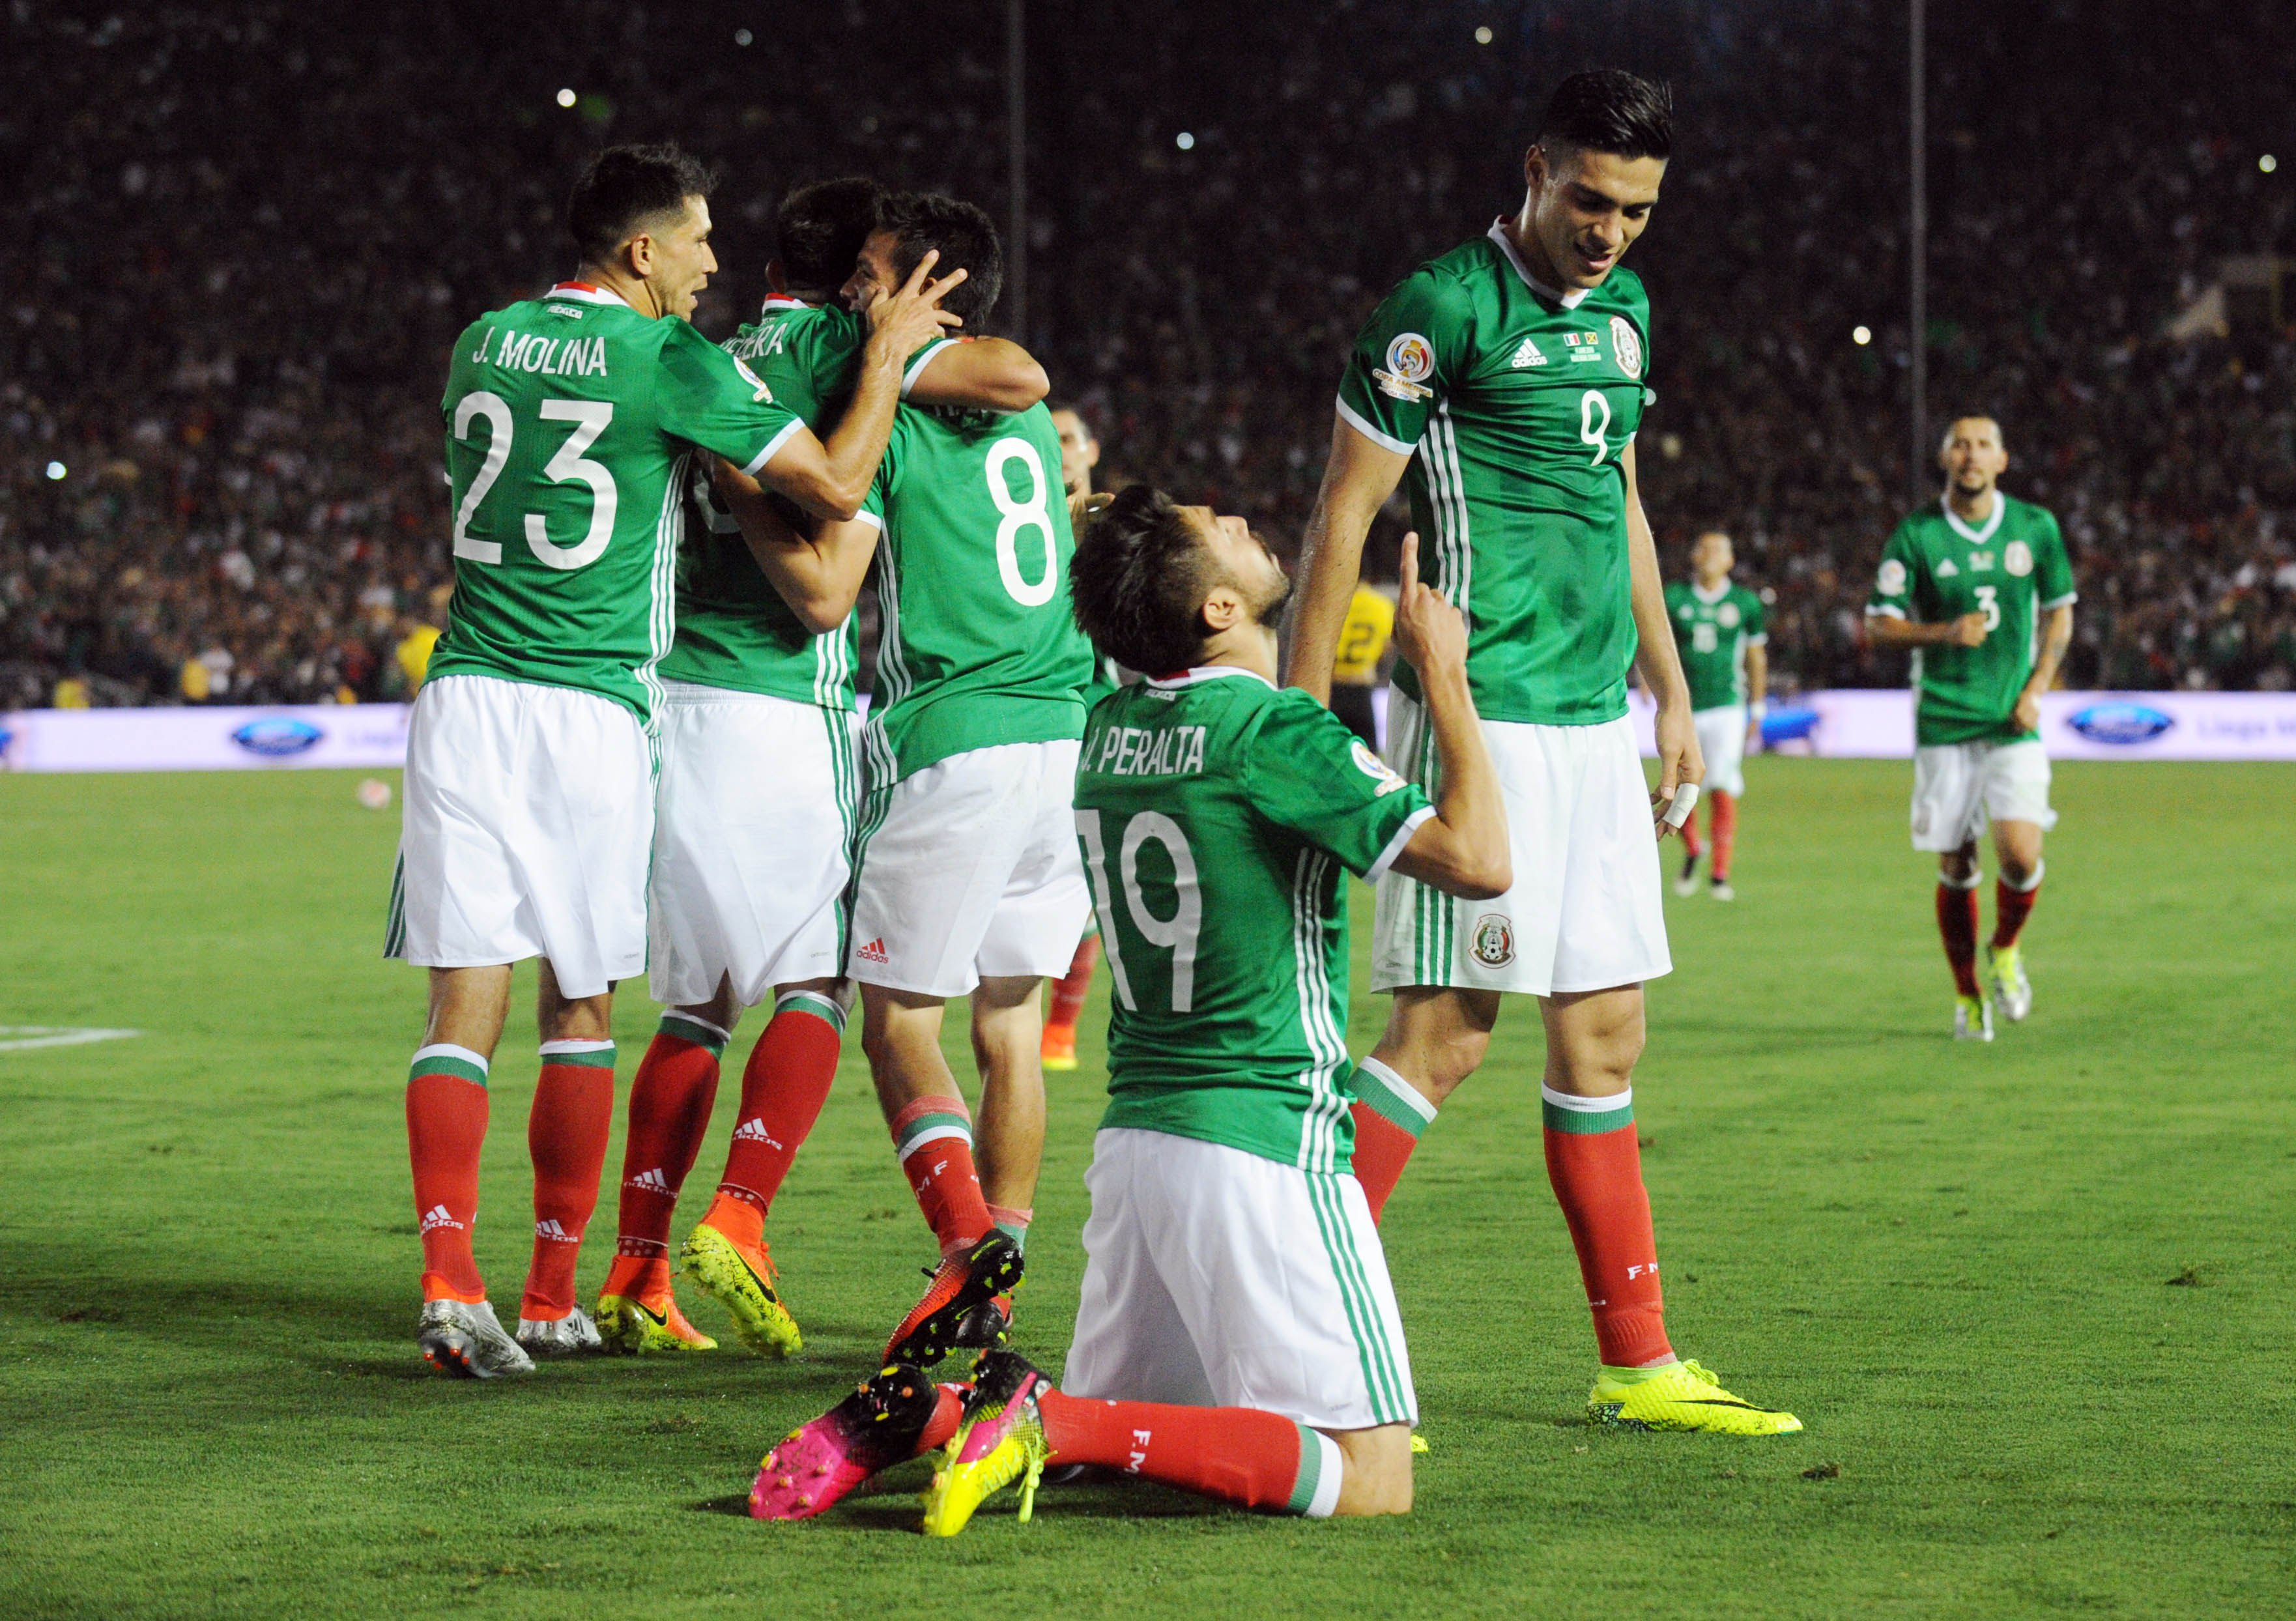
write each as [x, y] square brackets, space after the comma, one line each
[625, 189]
[1609, 110]
[820, 230]
[966, 237]
[1138, 581]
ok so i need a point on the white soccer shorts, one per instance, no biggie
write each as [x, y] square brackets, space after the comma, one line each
[1958, 786]
[1585, 912]
[527, 823]
[752, 844]
[1214, 1278]
[968, 870]
[1722, 740]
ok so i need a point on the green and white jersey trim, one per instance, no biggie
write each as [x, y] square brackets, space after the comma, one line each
[661, 583]
[1454, 552]
[1320, 1148]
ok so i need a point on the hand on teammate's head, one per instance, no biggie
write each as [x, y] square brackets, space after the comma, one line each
[910, 317]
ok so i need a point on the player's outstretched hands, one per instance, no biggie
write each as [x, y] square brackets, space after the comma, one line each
[1968, 631]
[1429, 634]
[906, 321]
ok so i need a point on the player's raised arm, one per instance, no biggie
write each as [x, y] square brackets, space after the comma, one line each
[1357, 479]
[818, 574]
[1463, 850]
[1656, 657]
[831, 480]
[985, 373]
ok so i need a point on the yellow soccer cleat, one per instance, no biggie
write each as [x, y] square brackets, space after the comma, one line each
[1000, 1440]
[1683, 1396]
[2004, 975]
[740, 1278]
[638, 1327]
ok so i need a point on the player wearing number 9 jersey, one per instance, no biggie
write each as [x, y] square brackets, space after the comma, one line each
[1506, 380]
[528, 794]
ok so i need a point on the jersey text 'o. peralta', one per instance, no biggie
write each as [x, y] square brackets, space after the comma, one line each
[1215, 814]
[2012, 568]
[1712, 635]
[977, 646]
[569, 420]
[1515, 403]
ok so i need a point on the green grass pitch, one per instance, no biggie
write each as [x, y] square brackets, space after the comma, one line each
[2033, 1300]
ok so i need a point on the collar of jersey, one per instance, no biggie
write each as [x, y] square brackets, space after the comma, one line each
[582, 292]
[1207, 671]
[1699, 591]
[1975, 538]
[1569, 300]
[782, 301]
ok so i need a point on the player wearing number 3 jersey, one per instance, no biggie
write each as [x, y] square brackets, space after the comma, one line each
[1506, 378]
[569, 420]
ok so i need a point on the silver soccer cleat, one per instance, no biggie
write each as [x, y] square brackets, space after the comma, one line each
[466, 1341]
[1722, 891]
[567, 1336]
[1972, 1018]
[2013, 992]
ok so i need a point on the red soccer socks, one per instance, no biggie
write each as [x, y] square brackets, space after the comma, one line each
[566, 1134]
[1241, 1455]
[2011, 907]
[1390, 1113]
[445, 1127]
[933, 1137]
[670, 1100]
[783, 1087]
[1596, 1164]
[1069, 991]
[1957, 915]
[1724, 816]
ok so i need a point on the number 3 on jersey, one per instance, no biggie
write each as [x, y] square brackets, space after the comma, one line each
[1015, 516]
[590, 419]
[1176, 933]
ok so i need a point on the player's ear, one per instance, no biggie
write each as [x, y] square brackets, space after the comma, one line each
[1223, 610]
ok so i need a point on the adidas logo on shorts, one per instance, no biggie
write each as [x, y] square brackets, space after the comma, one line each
[649, 1182]
[438, 1216]
[874, 951]
[753, 1130]
[548, 1228]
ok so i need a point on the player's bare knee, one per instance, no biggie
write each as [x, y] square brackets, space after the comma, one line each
[1375, 1471]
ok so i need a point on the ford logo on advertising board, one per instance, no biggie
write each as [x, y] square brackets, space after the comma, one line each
[276, 736]
[2120, 722]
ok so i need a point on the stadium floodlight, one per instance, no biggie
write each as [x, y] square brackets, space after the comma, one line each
[56, 469]
[1482, 36]
[1185, 141]
[1861, 335]
[742, 37]
[565, 98]
[2267, 163]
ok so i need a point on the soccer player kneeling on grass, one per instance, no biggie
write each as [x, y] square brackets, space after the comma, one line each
[1237, 1336]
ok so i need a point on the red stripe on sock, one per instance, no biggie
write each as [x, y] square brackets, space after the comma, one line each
[2011, 908]
[1237, 1454]
[566, 1134]
[1069, 991]
[445, 1127]
[1957, 915]
[1383, 1149]
[1598, 1181]
[783, 1086]
[670, 1100]
[1726, 834]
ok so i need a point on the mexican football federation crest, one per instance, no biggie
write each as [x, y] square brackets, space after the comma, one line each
[1409, 359]
[1493, 944]
[2018, 559]
[1626, 345]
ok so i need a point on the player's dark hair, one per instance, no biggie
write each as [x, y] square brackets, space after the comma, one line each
[966, 237]
[1979, 415]
[1138, 580]
[625, 187]
[1056, 407]
[820, 230]
[1608, 110]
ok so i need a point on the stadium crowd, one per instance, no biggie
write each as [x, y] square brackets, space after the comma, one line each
[224, 333]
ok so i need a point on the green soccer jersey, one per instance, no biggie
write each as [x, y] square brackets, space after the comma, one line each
[2013, 570]
[1515, 403]
[1712, 634]
[1215, 814]
[734, 629]
[978, 647]
[569, 420]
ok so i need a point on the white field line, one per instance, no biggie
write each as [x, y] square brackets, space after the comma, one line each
[23, 1039]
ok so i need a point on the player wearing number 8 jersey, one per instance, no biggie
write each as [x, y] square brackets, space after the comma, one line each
[1980, 589]
[528, 796]
[1506, 378]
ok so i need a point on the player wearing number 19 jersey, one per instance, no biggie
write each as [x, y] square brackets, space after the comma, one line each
[1507, 380]
[1979, 587]
[528, 808]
